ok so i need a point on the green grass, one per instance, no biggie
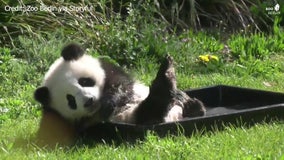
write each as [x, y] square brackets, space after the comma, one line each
[138, 42]
[263, 141]
[22, 70]
[20, 114]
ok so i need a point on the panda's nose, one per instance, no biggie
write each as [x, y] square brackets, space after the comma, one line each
[89, 102]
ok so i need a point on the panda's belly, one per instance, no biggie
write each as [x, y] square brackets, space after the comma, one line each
[125, 113]
[175, 114]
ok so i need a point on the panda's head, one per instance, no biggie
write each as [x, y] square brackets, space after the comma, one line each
[73, 85]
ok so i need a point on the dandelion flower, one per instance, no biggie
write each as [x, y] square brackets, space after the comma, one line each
[207, 58]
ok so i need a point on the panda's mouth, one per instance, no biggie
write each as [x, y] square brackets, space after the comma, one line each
[89, 103]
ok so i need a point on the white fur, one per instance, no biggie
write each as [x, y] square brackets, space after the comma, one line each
[140, 93]
[174, 114]
[126, 116]
[62, 78]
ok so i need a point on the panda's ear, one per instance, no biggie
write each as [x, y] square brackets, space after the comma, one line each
[72, 52]
[41, 94]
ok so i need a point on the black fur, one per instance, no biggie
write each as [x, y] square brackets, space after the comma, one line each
[162, 91]
[194, 108]
[86, 82]
[163, 95]
[118, 88]
[72, 52]
[71, 101]
[41, 94]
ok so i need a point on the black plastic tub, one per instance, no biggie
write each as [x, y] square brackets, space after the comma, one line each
[226, 105]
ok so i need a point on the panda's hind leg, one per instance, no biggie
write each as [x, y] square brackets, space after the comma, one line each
[165, 100]
[162, 92]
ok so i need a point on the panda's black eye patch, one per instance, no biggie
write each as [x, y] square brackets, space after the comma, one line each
[86, 82]
[71, 101]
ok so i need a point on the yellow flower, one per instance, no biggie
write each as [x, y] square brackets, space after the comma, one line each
[213, 57]
[206, 58]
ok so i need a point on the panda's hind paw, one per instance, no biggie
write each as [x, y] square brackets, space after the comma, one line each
[194, 108]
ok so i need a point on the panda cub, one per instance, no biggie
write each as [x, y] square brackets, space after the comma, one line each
[85, 91]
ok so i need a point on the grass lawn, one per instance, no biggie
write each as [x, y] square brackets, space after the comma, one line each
[263, 141]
